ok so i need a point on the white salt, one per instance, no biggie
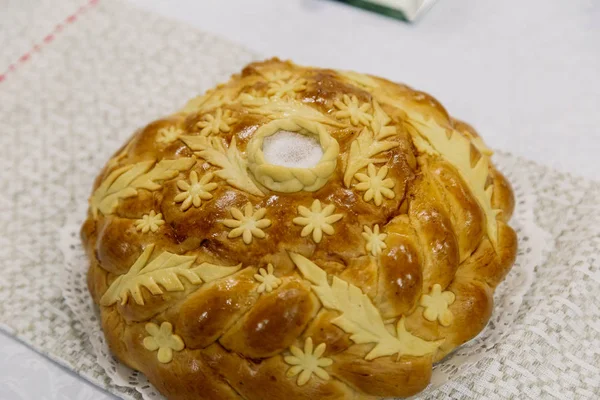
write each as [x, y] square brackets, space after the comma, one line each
[292, 149]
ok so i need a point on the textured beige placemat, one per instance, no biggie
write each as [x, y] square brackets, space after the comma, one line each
[63, 110]
[111, 69]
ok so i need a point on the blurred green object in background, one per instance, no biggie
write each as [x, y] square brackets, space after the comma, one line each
[406, 10]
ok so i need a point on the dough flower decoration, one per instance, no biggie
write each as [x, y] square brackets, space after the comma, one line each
[350, 108]
[219, 122]
[163, 340]
[195, 191]
[317, 220]
[168, 134]
[307, 362]
[289, 88]
[268, 280]
[149, 222]
[375, 185]
[248, 224]
[436, 305]
[375, 240]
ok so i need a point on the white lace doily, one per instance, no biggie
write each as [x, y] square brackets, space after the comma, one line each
[534, 242]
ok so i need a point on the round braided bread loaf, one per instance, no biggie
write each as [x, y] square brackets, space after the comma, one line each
[221, 276]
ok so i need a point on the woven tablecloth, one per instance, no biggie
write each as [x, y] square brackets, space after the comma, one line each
[77, 78]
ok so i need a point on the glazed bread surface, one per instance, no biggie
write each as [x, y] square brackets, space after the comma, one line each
[222, 275]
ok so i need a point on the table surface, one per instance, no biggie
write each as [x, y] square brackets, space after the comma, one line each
[523, 73]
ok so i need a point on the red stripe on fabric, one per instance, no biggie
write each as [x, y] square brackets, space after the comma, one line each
[69, 20]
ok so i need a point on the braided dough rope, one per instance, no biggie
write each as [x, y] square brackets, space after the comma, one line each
[456, 148]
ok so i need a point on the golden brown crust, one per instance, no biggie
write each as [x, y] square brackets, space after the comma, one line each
[274, 323]
[384, 377]
[221, 278]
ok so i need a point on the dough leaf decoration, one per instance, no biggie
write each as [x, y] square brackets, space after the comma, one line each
[369, 143]
[479, 144]
[362, 80]
[380, 122]
[280, 108]
[234, 168]
[456, 149]
[164, 273]
[124, 182]
[113, 162]
[211, 272]
[359, 317]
